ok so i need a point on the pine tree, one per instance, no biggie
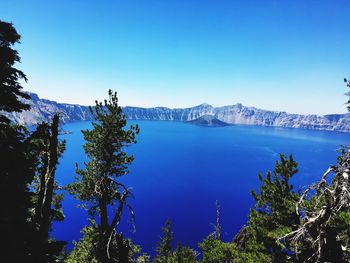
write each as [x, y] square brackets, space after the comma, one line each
[46, 201]
[324, 212]
[17, 161]
[164, 249]
[98, 185]
[17, 171]
[184, 254]
[10, 88]
[273, 215]
[21, 160]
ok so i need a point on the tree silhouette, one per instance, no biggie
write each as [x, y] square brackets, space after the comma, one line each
[17, 162]
[46, 202]
[22, 159]
[10, 88]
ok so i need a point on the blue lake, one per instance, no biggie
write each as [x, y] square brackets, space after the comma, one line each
[180, 170]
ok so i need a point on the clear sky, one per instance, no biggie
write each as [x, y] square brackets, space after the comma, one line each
[277, 55]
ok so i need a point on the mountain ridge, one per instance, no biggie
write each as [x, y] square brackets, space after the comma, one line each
[43, 110]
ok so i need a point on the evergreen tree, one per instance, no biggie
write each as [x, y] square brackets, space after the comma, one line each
[10, 88]
[17, 162]
[17, 171]
[25, 226]
[85, 251]
[98, 185]
[164, 249]
[215, 250]
[184, 254]
[273, 215]
[165, 253]
[324, 212]
[21, 159]
[46, 201]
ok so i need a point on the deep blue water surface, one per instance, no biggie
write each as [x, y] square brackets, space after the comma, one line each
[180, 170]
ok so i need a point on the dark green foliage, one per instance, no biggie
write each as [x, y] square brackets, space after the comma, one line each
[23, 156]
[324, 210]
[165, 253]
[10, 88]
[17, 171]
[164, 248]
[341, 223]
[274, 213]
[49, 149]
[324, 214]
[46, 202]
[17, 161]
[86, 250]
[215, 250]
[184, 254]
[26, 229]
[98, 185]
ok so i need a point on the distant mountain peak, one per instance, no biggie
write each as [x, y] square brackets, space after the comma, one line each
[204, 104]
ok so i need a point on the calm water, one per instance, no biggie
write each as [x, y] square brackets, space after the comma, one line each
[180, 170]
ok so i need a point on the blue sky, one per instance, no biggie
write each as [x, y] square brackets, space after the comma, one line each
[278, 55]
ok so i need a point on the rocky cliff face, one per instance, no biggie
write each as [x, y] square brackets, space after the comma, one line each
[42, 110]
[239, 114]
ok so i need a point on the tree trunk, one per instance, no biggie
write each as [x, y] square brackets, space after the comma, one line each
[39, 204]
[50, 177]
[103, 238]
[42, 215]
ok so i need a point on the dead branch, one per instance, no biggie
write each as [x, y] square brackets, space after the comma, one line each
[329, 199]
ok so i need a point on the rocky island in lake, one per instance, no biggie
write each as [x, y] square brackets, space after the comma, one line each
[208, 120]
